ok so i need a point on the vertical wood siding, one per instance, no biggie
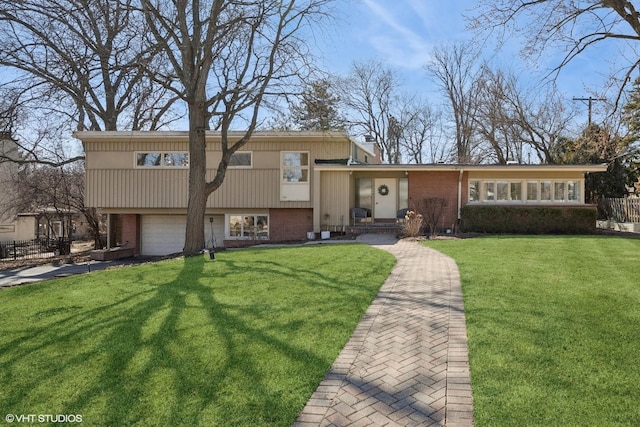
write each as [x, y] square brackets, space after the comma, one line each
[334, 198]
[113, 182]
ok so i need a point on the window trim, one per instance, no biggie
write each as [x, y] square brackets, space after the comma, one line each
[250, 166]
[306, 167]
[227, 226]
[162, 154]
[484, 185]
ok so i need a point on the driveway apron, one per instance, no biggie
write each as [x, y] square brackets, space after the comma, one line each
[406, 363]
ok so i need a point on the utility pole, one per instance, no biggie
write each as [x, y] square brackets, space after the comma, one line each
[589, 103]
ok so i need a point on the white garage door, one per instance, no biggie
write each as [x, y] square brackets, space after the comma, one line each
[162, 234]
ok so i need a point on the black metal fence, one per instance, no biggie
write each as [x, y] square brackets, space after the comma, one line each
[31, 249]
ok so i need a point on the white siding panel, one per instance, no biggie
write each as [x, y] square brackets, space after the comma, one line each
[162, 234]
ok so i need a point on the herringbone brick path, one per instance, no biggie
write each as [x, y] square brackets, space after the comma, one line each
[406, 363]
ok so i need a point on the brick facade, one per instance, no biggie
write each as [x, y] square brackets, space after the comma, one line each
[131, 232]
[442, 184]
[290, 224]
[285, 225]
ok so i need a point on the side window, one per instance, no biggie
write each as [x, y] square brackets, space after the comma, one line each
[161, 159]
[241, 159]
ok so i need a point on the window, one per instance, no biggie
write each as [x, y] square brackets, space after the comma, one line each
[295, 167]
[162, 160]
[363, 193]
[515, 191]
[247, 227]
[558, 191]
[502, 190]
[532, 191]
[474, 191]
[545, 191]
[552, 191]
[489, 190]
[573, 191]
[294, 173]
[241, 159]
[403, 193]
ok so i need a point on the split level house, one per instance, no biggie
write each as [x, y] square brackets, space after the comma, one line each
[283, 185]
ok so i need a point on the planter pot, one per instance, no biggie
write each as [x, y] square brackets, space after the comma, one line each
[311, 235]
[325, 234]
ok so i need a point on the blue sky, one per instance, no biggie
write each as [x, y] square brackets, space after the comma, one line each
[402, 33]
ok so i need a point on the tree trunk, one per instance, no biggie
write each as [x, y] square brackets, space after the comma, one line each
[194, 234]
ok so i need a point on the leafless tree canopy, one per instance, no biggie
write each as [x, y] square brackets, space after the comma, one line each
[454, 68]
[405, 127]
[572, 26]
[81, 60]
[513, 123]
[226, 57]
[370, 92]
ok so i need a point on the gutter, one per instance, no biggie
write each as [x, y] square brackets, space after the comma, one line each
[460, 194]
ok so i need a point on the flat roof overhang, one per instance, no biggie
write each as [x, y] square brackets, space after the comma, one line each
[460, 167]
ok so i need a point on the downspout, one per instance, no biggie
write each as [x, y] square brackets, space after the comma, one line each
[460, 194]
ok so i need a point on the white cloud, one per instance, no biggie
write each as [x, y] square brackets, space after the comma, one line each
[396, 35]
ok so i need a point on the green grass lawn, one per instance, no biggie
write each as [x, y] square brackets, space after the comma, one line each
[553, 327]
[240, 341]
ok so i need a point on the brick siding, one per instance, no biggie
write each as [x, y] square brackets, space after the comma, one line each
[131, 232]
[424, 185]
[290, 224]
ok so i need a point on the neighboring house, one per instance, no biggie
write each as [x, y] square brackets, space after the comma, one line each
[282, 185]
[9, 227]
[40, 222]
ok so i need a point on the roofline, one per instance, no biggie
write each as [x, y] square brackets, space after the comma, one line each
[461, 167]
[103, 136]
[98, 136]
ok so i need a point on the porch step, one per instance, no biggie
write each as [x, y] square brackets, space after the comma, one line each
[383, 228]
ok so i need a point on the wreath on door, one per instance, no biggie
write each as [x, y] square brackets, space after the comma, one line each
[383, 190]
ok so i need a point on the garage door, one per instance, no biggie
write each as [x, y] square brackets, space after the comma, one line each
[162, 234]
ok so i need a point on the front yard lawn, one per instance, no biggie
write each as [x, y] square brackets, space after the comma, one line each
[243, 340]
[553, 327]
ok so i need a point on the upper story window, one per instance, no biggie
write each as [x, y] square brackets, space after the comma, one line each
[295, 166]
[162, 159]
[241, 159]
[294, 175]
[530, 191]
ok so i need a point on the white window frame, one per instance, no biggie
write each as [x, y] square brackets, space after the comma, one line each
[162, 164]
[484, 185]
[298, 191]
[250, 166]
[227, 226]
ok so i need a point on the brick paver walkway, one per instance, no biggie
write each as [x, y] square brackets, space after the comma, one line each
[406, 363]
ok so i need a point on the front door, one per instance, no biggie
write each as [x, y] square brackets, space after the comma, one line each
[385, 197]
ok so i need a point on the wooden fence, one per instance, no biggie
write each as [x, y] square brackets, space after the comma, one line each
[622, 210]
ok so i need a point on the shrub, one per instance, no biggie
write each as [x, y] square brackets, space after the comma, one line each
[413, 223]
[528, 220]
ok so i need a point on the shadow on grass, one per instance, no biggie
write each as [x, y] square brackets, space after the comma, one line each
[169, 354]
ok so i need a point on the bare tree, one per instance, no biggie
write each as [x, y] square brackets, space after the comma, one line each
[542, 122]
[513, 122]
[78, 64]
[455, 68]
[370, 96]
[422, 135]
[570, 25]
[226, 57]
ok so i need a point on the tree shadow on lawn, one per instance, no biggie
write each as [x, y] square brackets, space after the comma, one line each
[153, 357]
